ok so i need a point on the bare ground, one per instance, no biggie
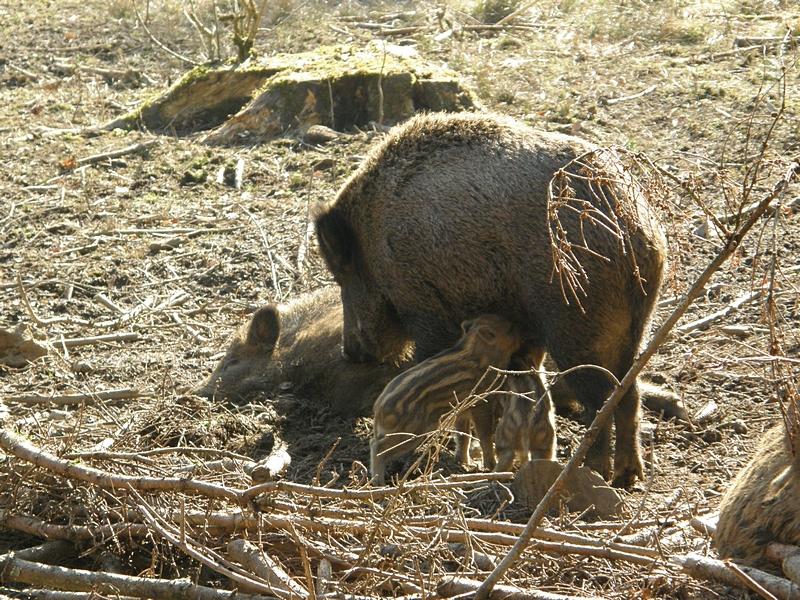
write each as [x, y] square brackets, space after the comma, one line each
[71, 234]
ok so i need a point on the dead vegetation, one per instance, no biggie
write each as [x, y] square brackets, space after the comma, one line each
[132, 268]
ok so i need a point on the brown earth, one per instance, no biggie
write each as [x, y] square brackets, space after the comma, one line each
[153, 231]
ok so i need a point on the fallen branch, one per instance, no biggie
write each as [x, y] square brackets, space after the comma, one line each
[716, 316]
[28, 74]
[275, 286]
[79, 249]
[90, 160]
[265, 567]
[128, 316]
[36, 319]
[462, 586]
[329, 526]
[54, 595]
[76, 398]
[456, 481]
[205, 556]
[763, 41]
[15, 570]
[749, 581]
[697, 60]
[99, 339]
[705, 525]
[69, 533]
[649, 90]
[702, 567]
[271, 467]
[515, 14]
[16, 446]
[48, 553]
[106, 301]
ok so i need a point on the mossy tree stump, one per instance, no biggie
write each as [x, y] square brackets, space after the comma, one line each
[340, 87]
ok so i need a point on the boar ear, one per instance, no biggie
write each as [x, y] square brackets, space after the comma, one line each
[466, 326]
[265, 328]
[336, 239]
[487, 334]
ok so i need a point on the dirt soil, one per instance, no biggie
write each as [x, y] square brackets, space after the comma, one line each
[150, 243]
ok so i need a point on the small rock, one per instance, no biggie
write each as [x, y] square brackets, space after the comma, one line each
[706, 413]
[18, 348]
[57, 415]
[584, 489]
[324, 164]
[739, 427]
[319, 134]
[81, 366]
[712, 436]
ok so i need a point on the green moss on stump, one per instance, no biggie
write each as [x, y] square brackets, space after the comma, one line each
[335, 86]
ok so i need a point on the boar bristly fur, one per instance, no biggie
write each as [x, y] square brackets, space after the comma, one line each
[447, 220]
[415, 402]
[762, 504]
[300, 343]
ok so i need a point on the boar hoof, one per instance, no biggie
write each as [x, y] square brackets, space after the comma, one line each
[625, 475]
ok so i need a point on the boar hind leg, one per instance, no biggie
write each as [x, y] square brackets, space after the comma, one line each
[463, 438]
[384, 449]
[484, 415]
[627, 457]
[592, 387]
[505, 450]
[542, 439]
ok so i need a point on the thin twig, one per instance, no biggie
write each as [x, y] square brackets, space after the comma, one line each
[90, 160]
[24, 450]
[159, 44]
[123, 394]
[273, 271]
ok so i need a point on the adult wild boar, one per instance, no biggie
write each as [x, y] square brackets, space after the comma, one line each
[300, 342]
[447, 220]
[761, 506]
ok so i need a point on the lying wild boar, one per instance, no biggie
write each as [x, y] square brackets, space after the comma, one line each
[762, 504]
[447, 219]
[415, 402]
[528, 427]
[300, 343]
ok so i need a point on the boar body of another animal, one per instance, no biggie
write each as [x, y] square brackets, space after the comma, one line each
[414, 403]
[300, 343]
[527, 429]
[762, 504]
[447, 220]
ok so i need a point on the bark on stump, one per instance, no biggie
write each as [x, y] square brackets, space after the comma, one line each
[338, 87]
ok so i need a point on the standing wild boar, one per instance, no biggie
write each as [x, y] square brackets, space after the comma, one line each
[300, 343]
[447, 219]
[415, 402]
[528, 427]
[763, 503]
